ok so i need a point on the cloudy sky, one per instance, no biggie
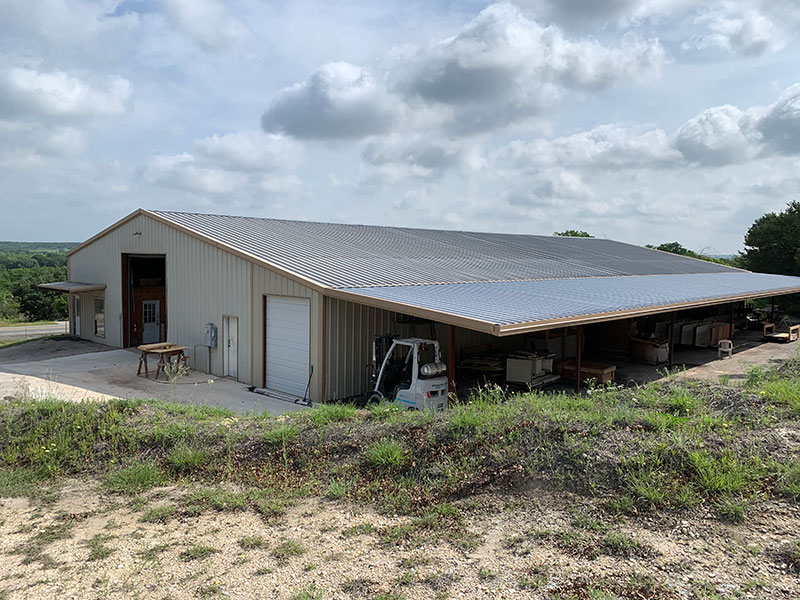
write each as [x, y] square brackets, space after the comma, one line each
[641, 120]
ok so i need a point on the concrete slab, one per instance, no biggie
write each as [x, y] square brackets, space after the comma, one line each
[112, 374]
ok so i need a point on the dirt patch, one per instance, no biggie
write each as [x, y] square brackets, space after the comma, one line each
[530, 545]
[45, 348]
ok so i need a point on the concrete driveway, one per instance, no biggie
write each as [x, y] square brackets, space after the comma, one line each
[24, 332]
[112, 374]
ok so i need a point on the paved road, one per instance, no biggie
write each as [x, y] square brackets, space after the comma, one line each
[24, 332]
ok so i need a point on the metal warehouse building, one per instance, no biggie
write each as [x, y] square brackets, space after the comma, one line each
[289, 296]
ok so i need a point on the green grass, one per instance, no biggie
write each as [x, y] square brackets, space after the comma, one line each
[782, 391]
[98, 550]
[667, 446]
[287, 549]
[185, 459]
[135, 478]
[332, 413]
[385, 454]
[159, 514]
[310, 592]
[252, 542]
[197, 552]
[281, 435]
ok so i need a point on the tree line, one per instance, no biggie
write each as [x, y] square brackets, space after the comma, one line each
[23, 266]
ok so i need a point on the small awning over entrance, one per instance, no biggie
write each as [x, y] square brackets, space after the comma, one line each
[72, 287]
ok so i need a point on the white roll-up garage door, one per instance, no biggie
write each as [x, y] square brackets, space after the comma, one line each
[288, 326]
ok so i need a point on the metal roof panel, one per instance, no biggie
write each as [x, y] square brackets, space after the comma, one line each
[345, 256]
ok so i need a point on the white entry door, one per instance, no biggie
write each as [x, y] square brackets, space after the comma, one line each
[150, 310]
[288, 326]
[77, 309]
[230, 327]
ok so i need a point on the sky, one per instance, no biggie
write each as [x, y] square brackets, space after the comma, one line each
[646, 121]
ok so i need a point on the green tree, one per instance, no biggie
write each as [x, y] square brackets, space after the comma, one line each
[772, 245]
[572, 233]
[675, 248]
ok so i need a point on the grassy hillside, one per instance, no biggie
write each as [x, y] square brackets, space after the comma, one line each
[646, 492]
[665, 446]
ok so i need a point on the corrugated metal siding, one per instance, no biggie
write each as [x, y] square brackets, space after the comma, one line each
[344, 256]
[203, 283]
[351, 329]
[505, 303]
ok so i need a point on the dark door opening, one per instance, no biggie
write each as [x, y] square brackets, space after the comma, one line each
[144, 299]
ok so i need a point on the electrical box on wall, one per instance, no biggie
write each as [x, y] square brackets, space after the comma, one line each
[210, 331]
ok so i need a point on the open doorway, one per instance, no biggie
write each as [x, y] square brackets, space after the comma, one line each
[144, 293]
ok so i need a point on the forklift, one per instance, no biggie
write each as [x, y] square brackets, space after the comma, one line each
[408, 372]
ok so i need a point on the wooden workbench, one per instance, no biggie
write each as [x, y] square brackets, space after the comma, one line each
[165, 352]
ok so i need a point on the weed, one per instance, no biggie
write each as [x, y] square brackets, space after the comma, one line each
[386, 454]
[185, 459]
[486, 574]
[355, 530]
[790, 554]
[789, 481]
[135, 478]
[287, 549]
[311, 592]
[197, 552]
[281, 435]
[332, 413]
[620, 544]
[158, 514]
[782, 391]
[97, 548]
[337, 489]
[252, 542]
[732, 509]
[361, 586]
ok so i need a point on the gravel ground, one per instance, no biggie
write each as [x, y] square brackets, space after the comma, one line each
[531, 544]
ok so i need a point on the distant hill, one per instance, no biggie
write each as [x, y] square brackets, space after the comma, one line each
[37, 246]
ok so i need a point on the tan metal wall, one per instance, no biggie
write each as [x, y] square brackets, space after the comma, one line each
[351, 327]
[203, 284]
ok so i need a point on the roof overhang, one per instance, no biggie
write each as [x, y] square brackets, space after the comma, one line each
[511, 308]
[72, 287]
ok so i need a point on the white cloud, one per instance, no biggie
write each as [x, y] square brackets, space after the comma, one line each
[401, 156]
[503, 67]
[606, 147]
[207, 22]
[58, 94]
[181, 171]
[67, 22]
[780, 125]
[249, 151]
[719, 135]
[339, 100]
